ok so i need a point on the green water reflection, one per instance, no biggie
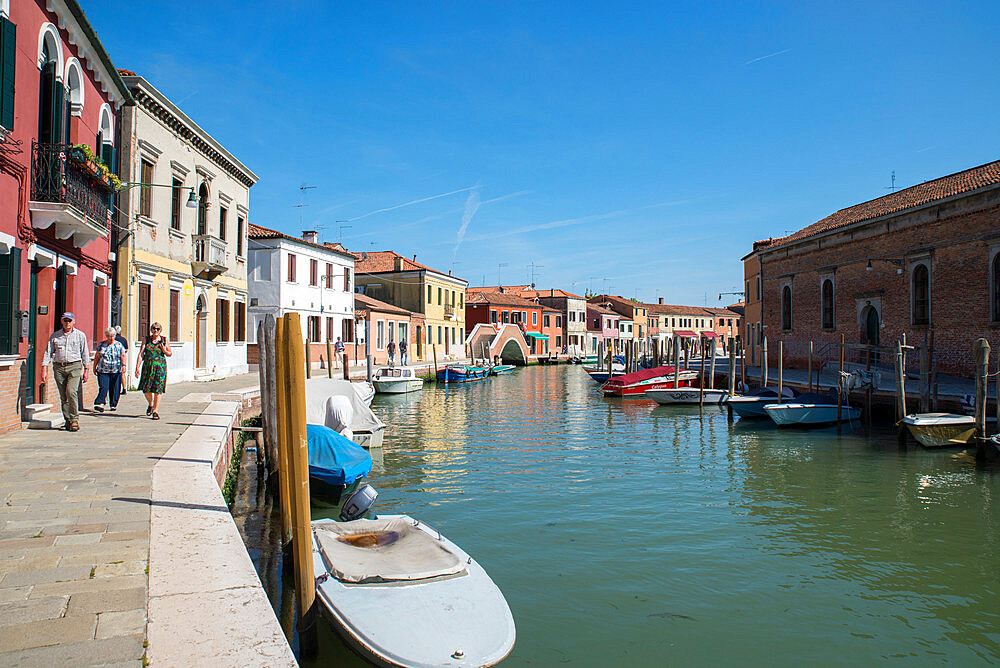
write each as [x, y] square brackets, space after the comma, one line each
[621, 531]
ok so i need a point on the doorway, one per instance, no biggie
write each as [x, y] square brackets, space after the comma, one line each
[870, 326]
[201, 333]
[30, 363]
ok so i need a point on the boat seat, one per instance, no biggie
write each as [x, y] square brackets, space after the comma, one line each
[383, 550]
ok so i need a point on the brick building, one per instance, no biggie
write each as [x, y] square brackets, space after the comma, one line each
[498, 307]
[924, 262]
[385, 323]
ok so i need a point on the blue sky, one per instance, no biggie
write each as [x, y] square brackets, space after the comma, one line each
[635, 147]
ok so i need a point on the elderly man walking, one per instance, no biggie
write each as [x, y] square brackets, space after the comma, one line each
[68, 352]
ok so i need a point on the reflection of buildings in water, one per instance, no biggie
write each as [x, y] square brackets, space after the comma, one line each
[916, 525]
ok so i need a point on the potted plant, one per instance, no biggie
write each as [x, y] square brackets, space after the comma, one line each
[84, 156]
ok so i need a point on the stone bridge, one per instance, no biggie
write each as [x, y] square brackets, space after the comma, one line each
[498, 340]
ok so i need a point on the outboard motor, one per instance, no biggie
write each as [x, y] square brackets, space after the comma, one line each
[358, 503]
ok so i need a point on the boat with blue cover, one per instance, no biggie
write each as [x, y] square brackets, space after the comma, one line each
[461, 373]
[336, 464]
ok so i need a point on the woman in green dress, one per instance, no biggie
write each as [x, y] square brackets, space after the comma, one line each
[153, 356]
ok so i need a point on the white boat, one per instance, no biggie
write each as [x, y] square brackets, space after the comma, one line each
[811, 409]
[751, 404]
[397, 380]
[366, 429]
[687, 395]
[404, 595]
[938, 430]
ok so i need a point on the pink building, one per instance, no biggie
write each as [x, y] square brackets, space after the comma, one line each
[60, 97]
[602, 327]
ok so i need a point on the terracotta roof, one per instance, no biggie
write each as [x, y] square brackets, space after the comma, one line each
[367, 303]
[918, 195]
[496, 288]
[600, 309]
[255, 231]
[498, 298]
[126, 73]
[379, 262]
[678, 309]
[617, 300]
[534, 294]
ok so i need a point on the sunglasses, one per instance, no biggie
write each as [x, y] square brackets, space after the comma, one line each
[155, 329]
[67, 319]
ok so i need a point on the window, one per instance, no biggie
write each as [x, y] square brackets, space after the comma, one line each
[313, 271]
[826, 298]
[430, 300]
[380, 335]
[452, 297]
[558, 342]
[175, 315]
[145, 290]
[461, 298]
[524, 316]
[493, 315]
[240, 224]
[329, 276]
[221, 320]
[223, 212]
[240, 321]
[402, 332]
[347, 279]
[8, 53]
[291, 268]
[995, 281]
[146, 191]
[534, 318]
[98, 328]
[429, 336]
[439, 335]
[758, 289]
[786, 307]
[921, 295]
[506, 317]
[329, 329]
[558, 321]
[347, 330]
[439, 296]
[312, 329]
[545, 320]
[10, 300]
[175, 205]
[202, 209]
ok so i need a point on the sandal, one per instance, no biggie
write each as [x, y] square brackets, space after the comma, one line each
[156, 416]
[149, 410]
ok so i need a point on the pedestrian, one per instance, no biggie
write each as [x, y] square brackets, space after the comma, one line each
[153, 354]
[391, 349]
[110, 360]
[402, 352]
[338, 348]
[122, 340]
[69, 354]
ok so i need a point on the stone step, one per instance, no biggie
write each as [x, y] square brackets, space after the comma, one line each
[48, 422]
[33, 411]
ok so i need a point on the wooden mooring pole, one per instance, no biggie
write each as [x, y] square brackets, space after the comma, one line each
[781, 368]
[732, 368]
[268, 389]
[809, 365]
[981, 353]
[711, 373]
[900, 393]
[763, 363]
[329, 359]
[701, 384]
[840, 382]
[307, 349]
[677, 363]
[281, 425]
[347, 368]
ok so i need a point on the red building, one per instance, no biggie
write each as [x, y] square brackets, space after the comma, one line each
[60, 97]
[501, 307]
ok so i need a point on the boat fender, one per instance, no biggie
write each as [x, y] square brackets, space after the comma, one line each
[457, 654]
[322, 578]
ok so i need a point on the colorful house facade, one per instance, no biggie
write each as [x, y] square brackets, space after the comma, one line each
[384, 323]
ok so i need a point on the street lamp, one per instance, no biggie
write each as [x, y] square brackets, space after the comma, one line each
[192, 200]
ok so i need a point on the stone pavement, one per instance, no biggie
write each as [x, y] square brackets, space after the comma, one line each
[74, 530]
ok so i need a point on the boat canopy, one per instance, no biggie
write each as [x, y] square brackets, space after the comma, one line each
[319, 390]
[644, 374]
[334, 459]
[537, 336]
[685, 334]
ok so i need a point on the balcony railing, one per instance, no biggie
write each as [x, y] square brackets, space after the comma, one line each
[209, 255]
[55, 178]
[449, 311]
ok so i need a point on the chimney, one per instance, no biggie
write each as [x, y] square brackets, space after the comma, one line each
[501, 288]
[661, 300]
[552, 292]
[414, 257]
[397, 263]
[309, 235]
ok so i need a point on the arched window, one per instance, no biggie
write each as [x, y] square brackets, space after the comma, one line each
[995, 280]
[106, 137]
[786, 307]
[921, 295]
[202, 208]
[74, 95]
[827, 304]
[51, 103]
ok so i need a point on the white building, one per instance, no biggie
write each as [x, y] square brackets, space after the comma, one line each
[292, 275]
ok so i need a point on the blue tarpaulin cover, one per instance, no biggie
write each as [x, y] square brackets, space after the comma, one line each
[335, 459]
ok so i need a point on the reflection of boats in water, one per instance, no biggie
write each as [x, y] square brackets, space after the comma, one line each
[939, 430]
[338, 404]
[397, 380]
[404, 595]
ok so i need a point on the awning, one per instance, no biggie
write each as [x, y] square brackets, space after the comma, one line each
[536, 336]
[685, 334]
[709, 335]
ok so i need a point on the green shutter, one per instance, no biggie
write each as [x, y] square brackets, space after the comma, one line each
[8, 32]
[58, 113]
[10, 300]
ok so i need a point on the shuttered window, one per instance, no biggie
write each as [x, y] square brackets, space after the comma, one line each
[240, 321]
[145, 191]
[347, 279]
[313, 272]
[175, 205]
[240, 224]
[223, 212]
[98, 316]
[10, 300]
[291, 268]
[8, 32]
[222, 320]
[348, 330]
[145, 289]
[175, 315]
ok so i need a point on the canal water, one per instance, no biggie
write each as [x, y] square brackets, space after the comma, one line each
[620, 531]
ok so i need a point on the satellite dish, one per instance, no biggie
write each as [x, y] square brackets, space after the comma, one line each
[364, 256]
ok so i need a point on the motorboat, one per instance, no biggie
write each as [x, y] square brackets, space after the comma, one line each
[811, 409]
[338, 404]
[402, 594]
[589, 360]
[940, 430]
[502, 369]
[397, 380]
[687, 395]
[636, 384]
[751, 404]
[599, 372]
[336, 464]
[461, 373]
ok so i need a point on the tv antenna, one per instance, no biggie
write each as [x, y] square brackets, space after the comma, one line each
[340, 230]
[892, 187]
[533, 267]
[302, 204]
[500, 265]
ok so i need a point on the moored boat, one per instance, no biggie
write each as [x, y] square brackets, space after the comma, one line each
[396, 380]
[404, 595]
[940, 430]
[336, 464]
[461, 373]
[687, 395]
[502, 369]
[811, 409]
[636, 384]
[751, 404]
[338, 404]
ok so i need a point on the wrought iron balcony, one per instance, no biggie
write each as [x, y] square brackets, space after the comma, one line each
[209, 259]
[73, 196]
[449, 312]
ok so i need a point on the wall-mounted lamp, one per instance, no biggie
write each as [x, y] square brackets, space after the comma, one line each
[192, 201]
[890, 260]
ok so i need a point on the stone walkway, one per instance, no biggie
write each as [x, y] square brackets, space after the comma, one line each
[74, 530]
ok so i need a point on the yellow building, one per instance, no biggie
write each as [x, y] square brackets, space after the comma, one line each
[400, 281]
[182, 241]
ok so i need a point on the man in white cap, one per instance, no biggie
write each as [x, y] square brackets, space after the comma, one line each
[69, 354]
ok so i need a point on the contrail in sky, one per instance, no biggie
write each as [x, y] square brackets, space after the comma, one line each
[472, 204]
[770, 55]
[416, 201]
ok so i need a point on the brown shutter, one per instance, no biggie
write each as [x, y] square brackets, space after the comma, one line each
[144, 295]
[175, 308]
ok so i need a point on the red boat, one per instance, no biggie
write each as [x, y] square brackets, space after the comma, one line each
[636, 383]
